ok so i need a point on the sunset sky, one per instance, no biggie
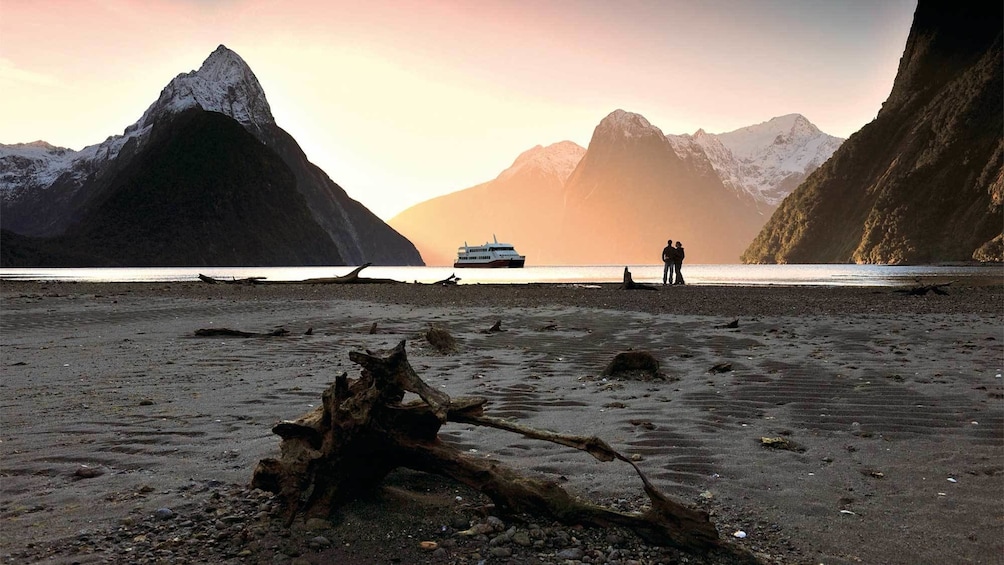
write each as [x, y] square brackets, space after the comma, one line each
[400, 101]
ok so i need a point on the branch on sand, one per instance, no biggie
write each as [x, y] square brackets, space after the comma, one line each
[362, 431]
[350, 278]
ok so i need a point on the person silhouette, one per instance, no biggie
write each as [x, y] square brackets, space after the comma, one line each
[678, 255]
[667, 258]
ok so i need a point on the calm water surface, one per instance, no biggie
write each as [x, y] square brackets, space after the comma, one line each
[744, 275]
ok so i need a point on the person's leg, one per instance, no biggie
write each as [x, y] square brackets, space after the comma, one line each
[679, 274]
[665, 272]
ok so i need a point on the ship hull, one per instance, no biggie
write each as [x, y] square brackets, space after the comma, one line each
[496, 264]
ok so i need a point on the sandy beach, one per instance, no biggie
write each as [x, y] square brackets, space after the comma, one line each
[125, 438]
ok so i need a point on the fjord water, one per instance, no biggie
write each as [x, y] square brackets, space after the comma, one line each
[741, 275]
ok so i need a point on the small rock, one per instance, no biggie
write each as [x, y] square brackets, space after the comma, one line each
[146, 402]
[572, 553]
[163, 513]
[500, 551]
[85, 472]
[315, 524]
[319, 542]
[521, 538]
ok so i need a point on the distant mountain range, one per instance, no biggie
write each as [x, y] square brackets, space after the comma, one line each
[634, 188]
[924, 181]
[205, 177]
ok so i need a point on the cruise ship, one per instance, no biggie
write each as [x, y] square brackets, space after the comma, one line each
[490, 255]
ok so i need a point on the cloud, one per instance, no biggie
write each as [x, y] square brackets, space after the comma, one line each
[10, 72]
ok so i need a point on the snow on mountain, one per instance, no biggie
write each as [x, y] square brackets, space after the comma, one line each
[224, 83]
[558, 159]
[24, 166]
[766, 160]
[625, 124]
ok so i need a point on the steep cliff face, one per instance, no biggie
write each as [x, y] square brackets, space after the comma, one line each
[922, 182]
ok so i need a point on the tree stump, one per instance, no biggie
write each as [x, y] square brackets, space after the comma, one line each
[629, 284]
[362, 431]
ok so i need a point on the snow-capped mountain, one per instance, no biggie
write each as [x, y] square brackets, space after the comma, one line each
[766, 160]
[46, 190]
[224, 83]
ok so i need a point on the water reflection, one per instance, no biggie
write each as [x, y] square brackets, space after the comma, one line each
[744, 275]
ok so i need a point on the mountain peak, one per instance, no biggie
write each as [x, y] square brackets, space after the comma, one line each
[224, 83]
[746, 142]
[626, 124]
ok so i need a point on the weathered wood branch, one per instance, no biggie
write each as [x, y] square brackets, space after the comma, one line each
[349, 278]
[362, 431]
[921, 290]
[227, 332]
[249, 280]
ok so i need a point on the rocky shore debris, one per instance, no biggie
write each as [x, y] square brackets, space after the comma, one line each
[496, 327]
[441, 340]
[720, 368]
[633, 365]
[781, 443]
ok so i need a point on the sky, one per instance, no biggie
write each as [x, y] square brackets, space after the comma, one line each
[399, 101]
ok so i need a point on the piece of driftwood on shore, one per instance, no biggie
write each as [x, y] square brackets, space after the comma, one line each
[361, 431]
[249, 280]
[227, 332]
[350, 278]
[629, 284]
[923, 289]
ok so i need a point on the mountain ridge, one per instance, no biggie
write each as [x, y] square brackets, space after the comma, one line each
[464, 216]
[44, 192]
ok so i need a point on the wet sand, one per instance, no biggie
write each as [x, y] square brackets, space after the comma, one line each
[894, 402]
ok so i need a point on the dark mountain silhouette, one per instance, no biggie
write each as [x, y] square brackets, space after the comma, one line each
[162, 195]
[922, 182]
[203, 191]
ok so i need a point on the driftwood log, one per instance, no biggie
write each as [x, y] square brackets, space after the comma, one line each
[350, 278]
[249, 280]
[362, 431]
[629, 284]
[922, 289]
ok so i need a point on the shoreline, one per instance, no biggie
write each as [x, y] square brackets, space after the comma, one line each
[894, 400]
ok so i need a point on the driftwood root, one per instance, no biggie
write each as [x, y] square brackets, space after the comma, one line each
[362, 431]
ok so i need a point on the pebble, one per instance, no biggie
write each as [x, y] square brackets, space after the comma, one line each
[163, 513]
[319, 542]
[572, 553]
[85, 472]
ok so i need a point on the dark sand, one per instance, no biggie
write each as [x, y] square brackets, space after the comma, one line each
[897, 402]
